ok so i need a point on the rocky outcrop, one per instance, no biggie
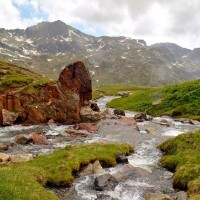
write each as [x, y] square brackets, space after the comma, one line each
[59, 101]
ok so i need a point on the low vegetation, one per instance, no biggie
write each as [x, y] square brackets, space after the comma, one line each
[12, 76]
[182, 156]
[26, 180]
[181, 100]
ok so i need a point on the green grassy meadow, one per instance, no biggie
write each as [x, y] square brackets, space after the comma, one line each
[182, 156]
[22, 181]
[181, 100]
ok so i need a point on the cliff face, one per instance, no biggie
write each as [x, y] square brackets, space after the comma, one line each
[60, 101]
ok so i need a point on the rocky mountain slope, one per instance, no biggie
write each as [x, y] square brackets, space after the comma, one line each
[26, 97]
[47, 47]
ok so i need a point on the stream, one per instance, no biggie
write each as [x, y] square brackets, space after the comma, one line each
[144, 176]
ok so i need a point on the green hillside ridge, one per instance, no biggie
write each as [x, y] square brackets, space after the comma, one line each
[182, 156]
[13, 76]
[181, 100]
[26, 180]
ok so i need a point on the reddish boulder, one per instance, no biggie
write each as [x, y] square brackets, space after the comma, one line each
[39, 139]
[76, 78]
[23, 139]
[60, 101]
[88, 127]
[76, 133]
[51, 121]
[129, 122]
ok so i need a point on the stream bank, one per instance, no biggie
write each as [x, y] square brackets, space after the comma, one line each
[143, 174]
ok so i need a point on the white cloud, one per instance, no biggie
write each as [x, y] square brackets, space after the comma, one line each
[9, 15]
[153, 20]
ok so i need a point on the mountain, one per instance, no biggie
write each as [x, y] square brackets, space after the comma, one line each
[48, 47]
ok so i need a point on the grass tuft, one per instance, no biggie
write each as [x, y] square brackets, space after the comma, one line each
[182, 156]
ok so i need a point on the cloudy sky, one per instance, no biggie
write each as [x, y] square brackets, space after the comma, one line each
[152, 20]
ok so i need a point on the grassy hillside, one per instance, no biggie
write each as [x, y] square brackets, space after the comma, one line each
[26, 180]
[175, 100]
[182, 156]
[13, 76]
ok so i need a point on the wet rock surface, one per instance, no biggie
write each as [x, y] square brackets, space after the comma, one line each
[87, 127]
[122, 159]
[105, 182]
[119, 112]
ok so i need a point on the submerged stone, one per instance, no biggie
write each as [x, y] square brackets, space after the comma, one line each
[105, 181]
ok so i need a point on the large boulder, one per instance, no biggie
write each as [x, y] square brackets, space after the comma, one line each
[60, 101]
[39, 139]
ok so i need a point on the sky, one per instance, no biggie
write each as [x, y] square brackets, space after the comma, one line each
[155, 21]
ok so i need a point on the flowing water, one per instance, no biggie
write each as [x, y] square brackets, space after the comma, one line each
[147, 174]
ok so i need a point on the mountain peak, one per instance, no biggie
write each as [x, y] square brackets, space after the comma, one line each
[47, 29]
